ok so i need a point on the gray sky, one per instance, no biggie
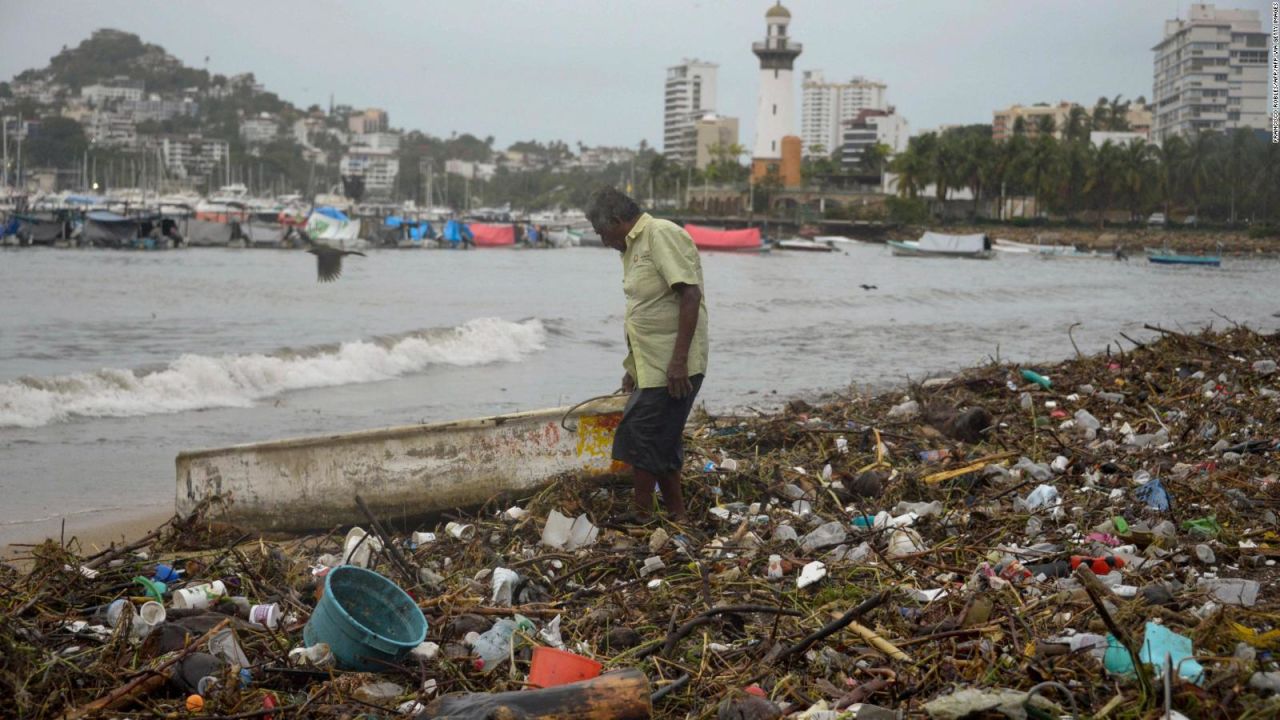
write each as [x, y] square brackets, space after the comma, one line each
[593, 70]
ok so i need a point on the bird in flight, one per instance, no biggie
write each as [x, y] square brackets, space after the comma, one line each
[328, 259]
[864, 286]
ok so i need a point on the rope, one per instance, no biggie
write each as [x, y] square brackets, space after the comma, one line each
[569, 412]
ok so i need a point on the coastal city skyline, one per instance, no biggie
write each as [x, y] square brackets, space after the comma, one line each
[613, 81]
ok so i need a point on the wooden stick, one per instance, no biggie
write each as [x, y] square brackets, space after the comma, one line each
[879, 643]
[1097, 591]
[398, 559]
[144, 683]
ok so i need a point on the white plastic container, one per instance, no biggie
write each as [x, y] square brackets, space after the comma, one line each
[267, 616]
[198, 597]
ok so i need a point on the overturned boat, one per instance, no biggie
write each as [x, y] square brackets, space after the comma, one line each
[708, 238]
[403, 473]
[931, 244]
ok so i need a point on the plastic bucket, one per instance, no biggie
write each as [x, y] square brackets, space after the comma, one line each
[551, 667]
[365, 618]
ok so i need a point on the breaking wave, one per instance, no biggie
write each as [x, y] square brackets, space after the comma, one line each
[197, 382]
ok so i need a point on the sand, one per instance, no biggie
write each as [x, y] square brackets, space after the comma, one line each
[92, 531]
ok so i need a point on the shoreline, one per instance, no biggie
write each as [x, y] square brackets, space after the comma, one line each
[93, 531]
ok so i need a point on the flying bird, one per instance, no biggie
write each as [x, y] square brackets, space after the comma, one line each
[328, 259]
[864, 286]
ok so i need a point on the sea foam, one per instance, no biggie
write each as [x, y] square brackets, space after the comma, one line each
[196, 382]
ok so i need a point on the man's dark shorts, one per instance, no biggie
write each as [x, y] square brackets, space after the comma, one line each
[651, 434]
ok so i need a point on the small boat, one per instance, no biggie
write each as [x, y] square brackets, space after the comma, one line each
[838, 240]
[804, 245]
[1165, 256]
[1018, 248]
[403, 473]
[974, 247]
[707, 238]
[333, 227]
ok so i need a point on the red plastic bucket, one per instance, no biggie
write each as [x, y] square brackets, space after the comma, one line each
[551, 667]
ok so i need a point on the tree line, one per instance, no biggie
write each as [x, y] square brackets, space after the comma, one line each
[1231, 177]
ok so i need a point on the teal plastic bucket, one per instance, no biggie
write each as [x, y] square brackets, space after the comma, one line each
[365, 618]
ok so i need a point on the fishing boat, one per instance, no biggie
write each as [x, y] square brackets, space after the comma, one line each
[974, 247]
[1021, 248]
[403, 473]
[1165, 256]
[803, 245]
[707, 238]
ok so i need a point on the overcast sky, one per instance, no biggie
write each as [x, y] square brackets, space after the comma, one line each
[593, 70]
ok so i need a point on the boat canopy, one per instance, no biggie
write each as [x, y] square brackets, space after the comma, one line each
[493, 235]
[939, 242]
[706, 238]
[332, 212]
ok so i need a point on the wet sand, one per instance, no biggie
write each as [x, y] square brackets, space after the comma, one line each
[92, 532]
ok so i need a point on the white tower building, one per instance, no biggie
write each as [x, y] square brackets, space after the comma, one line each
[775, 113]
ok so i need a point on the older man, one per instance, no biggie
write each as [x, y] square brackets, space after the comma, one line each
[666, 331]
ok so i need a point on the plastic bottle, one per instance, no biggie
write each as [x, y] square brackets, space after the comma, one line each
[933, 456]
[1037, 378]
[493, 646]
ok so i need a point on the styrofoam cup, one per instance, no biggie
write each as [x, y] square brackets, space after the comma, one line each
[152, 613]
[460, 531]
[359, 547]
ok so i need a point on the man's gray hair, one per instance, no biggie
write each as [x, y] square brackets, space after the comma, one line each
[609, 206]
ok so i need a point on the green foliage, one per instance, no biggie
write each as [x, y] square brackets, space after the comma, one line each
[1259, 232]
[907, 210]
[59, 143]
[108, 53]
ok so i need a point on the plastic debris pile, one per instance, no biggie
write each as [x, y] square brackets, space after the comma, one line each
[1096, 537]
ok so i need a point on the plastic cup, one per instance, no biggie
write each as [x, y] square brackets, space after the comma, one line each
[267, 616]
[198, 597]
[551, 667]
[359, 547]
[116, 609]
[460, 531]
[152, 613]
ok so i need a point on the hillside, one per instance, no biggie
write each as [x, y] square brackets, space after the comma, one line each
[110, 53]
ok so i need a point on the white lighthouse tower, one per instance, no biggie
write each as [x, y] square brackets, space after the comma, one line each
[775, 114]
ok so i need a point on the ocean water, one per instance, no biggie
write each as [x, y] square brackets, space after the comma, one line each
[113, 362]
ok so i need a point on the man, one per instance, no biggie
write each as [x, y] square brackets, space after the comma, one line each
[666, 332]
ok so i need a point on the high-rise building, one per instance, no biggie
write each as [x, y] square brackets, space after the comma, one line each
[873, 127]
[711, 131]
[690, 94]
[1210, 73]
[775, 110]
[827, 107]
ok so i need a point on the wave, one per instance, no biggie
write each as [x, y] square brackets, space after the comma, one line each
[198, 382]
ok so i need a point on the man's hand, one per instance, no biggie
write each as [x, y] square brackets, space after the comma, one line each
[678, 385]
[628, 383]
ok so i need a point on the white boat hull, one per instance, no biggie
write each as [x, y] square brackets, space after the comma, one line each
[403, 473]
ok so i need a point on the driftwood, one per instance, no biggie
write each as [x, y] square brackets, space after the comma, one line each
[622, 695]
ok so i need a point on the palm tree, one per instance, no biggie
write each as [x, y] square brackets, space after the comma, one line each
[1118, 114]
[1105, 167]
[978, 165]
[1073, 174]
[1040, 163]
[874, 157]
[1101, 114]
[1077, 127]
[1170, 156]
[913, 165]
[1235, 165]
[1137, 175]
[1196, 167]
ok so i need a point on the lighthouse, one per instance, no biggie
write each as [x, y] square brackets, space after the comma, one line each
[775, 113]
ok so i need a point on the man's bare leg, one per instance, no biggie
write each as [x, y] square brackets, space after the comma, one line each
[672, 496]
[643, 482]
